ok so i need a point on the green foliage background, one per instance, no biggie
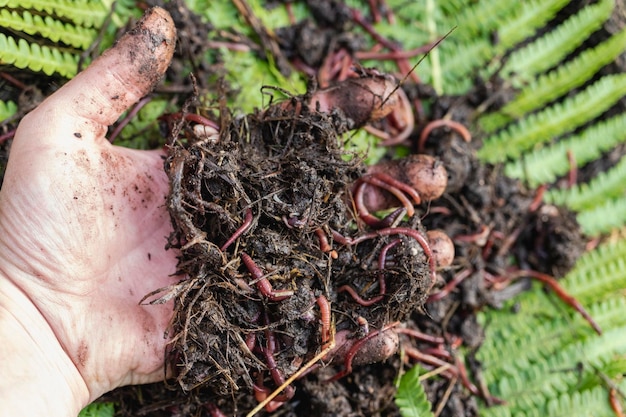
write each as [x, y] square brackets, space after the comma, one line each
[538, 355]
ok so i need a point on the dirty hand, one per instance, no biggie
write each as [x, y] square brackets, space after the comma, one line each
[83, 227]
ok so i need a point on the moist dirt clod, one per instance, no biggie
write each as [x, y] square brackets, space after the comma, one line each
[248, 308]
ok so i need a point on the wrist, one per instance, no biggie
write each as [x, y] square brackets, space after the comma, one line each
[38, 377]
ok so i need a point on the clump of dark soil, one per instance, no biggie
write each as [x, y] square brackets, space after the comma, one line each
[250, 307]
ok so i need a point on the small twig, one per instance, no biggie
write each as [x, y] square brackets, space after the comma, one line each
[297, 374]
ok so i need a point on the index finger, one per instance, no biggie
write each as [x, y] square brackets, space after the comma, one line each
[96, 97]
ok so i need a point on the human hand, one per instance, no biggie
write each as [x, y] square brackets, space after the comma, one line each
[83, 228]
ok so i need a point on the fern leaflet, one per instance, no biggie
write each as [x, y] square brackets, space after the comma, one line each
[607, 185]
[55, 30]
[82, 12]
[411, 397]
[556, 83]
[36, 58]
[523, 24]
[556, 120]
[7, 109]
[546, 164]
[550, 49]
[598, 274]
[603, 218]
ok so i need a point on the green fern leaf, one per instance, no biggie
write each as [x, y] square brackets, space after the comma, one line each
[551, 48]
[411, 397]
[7, 109]
[598, 274]
[607, 185]
[603, 218]
[480, 18]
[87, 13]
[98, 410]
[36, 58]
[526, 20]
[460, 65]
[546, 164]
[556, 83]
[55, 30]
[557, 120]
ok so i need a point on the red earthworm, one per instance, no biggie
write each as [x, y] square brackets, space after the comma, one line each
[325, 318]
[479, 238]
[421, 357]
[132, 113]
[615, 404]
[262, 283]
[356, 347]
[324, 245]
[393, 231]
[251, 341]
[383, 180]
[572, 175]
[261, 392]
[213, 410]
[408, 232]
[278, 377]
[358, 298]
[452, 284]
[421, 336]
[538, 199]
[247, 221]
[560, 292]
[369, 219]
[7, 136]
[382, 285]
[462, 372]
[363, 325]
[435, 124]
[438, 352]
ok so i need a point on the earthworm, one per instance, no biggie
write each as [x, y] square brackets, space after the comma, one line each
[452, 284]
[560, 292]
[421, 336]
[247, 221]
[435, 124]
[382, 285]
[324, 306]
[262, 283]
[324, 245]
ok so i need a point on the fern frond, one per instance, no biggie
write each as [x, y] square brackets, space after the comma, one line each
[460, 61]
[7, 109]
[554, 121]
[542, 335]
[599, 273]
[483, 17]
[48, 27]
[534, 385]
[87, 13]
[552, 48]
[411, 398]
[36, 58]
[606, 185]
[546, 164]
[603, 218]
[558, 82]
[526, 20]
[98, 410]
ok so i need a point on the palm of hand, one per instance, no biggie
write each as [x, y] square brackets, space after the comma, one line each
[83, 224]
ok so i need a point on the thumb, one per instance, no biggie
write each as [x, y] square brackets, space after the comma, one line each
[95, 98]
